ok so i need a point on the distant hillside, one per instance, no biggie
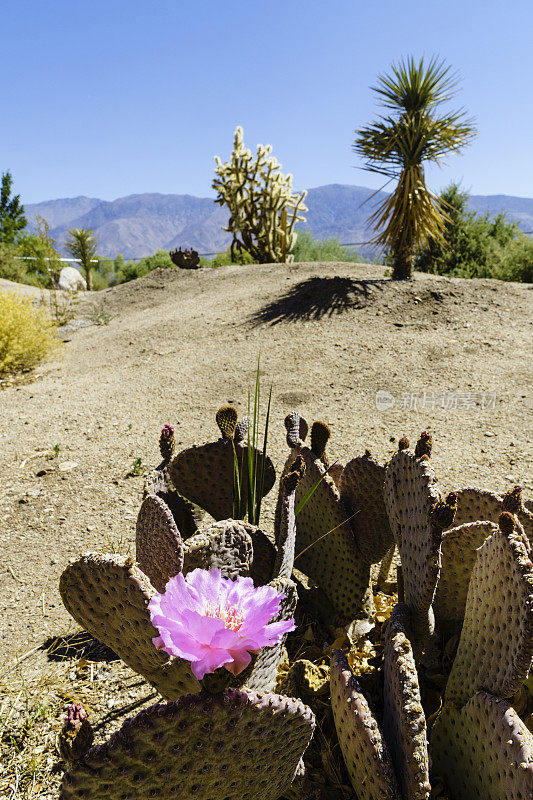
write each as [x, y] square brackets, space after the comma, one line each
[140, 224]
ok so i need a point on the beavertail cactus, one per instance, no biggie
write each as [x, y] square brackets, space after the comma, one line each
[238, 744]
[320, 434]
[417, 516]
[286, 519]
[186, 515]
[167, 443]
[76, 736]
[325, 545]
[361, 490]
[159, 548]
[365, 752]
[404, 723]
[475, 505]
[458, 553]
[496, 645]
[108, 596]
[483, 750]
[205, 474]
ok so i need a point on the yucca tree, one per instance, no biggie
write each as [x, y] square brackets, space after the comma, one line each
[414, 130]
[82, 244]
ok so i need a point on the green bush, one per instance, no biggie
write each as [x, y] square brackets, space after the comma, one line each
[13, 268]
[477, 246]
[130, 270]
[27, 334]
[225, 260]
[307, 248]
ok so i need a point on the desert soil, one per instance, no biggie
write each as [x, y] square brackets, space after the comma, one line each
[451, 354]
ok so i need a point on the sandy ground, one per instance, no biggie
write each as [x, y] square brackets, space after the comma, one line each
[447, 355]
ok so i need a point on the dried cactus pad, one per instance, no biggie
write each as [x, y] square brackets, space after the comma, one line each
[513, 502]
[286, 520]
[458, 556]
[108, 596]
[224, 545]
[496, 645]
[363, 748]
[325, 545]
[233, 745]
[483, 750]
[410, 496]
[158, 545]
[263, 677]
[404, 722]
[474, 505]
[204, 475]
[361, 489]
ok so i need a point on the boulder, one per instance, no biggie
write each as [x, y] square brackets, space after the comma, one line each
[71, 279]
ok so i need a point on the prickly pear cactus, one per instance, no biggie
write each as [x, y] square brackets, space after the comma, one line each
[458, 552]
[224, 545]
[263, 676]
[205, 474]
[417, 517]
[361, 490]
[108, 596]
[158, 545]
[325, 545]
[238, 744]
[365, 752]
[483, 750]
[186, 515]
[297, 429]
[404, 722]
[496, 645]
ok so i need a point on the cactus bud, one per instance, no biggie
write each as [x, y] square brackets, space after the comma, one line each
[512, 500]
[443, 512]
[76, 736]
[167, 443]
[226, 418]
[293, 478]
[506, 522]
[320, 434]
[403, 444]
[424, 445]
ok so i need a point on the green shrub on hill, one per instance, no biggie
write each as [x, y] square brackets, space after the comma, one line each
[477, 246]
[13, 268]
[307, 248]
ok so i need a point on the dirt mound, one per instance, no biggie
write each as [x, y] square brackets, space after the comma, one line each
[375, 359]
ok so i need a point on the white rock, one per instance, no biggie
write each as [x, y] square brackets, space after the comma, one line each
[70, 278]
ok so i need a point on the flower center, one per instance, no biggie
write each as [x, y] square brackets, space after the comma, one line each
[231, 617]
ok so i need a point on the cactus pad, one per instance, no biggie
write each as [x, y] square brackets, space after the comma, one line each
[361, 489]
[496, 645]
[263, 677]
[186, 515]
[297, 429]
[410, 497]
[224, 545]
[458, 555]
[483, 750]
[404, 723]
[364, 750]
[108, 596]
[234, 745]
[158, 545]
[325, 545]
[474, 505]
[285, 519]
[320, 434]
[512, 501]
[204, 475]
[226, 418]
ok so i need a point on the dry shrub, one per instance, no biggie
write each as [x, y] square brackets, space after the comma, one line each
[27, 334]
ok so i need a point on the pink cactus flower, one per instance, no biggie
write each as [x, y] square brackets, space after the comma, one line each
[213, 621]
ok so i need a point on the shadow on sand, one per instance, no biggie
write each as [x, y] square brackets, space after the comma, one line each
[318, 297]
[77, 645]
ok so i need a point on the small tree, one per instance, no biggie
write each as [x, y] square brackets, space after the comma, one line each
[40, 248]
[82, 244]
[398, 144]
[263, 209]
[12, 219]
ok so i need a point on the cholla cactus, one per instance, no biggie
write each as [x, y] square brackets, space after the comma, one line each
[263, 208]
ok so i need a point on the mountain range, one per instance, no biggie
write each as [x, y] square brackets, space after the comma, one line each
[140, 224]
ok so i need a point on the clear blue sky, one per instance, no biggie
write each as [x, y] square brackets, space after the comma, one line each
[113, 97]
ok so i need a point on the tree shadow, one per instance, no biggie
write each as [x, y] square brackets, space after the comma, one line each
[75, 646]
[319, 297]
